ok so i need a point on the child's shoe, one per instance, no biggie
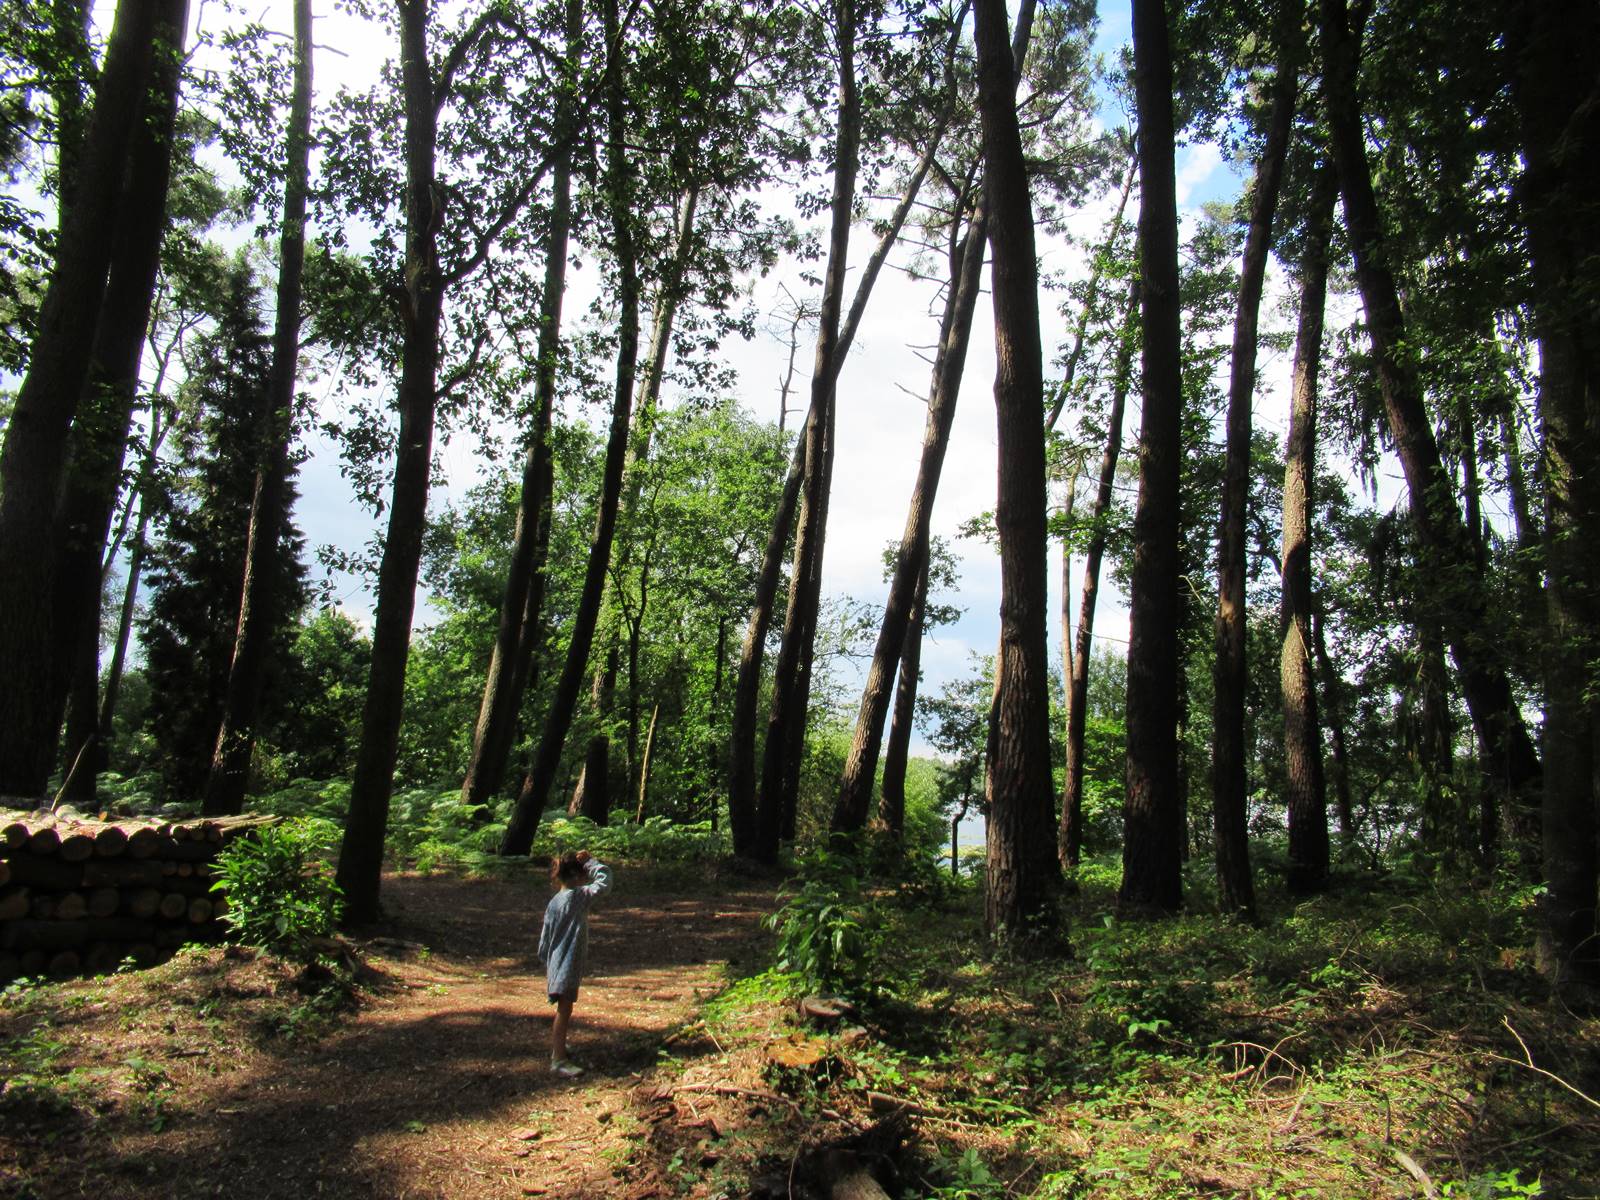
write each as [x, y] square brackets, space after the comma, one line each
[566, 1068]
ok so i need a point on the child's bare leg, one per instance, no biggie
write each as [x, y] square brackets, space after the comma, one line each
[558, 1032]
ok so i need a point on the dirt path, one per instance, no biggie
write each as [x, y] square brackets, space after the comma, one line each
[441, 1086]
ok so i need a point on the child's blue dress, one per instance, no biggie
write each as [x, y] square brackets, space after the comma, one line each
[564, 940]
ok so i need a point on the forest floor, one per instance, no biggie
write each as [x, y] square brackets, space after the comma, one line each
[217, 1074]
[1388, 1040]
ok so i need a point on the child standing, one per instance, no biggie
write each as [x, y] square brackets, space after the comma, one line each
[564, 943]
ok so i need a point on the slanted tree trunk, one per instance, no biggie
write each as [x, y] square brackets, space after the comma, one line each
[137, 546]
[1555, 46]
[911, 563]
[1080, 334]
[361, 852]
[261, 602]
[1230, 674]
[517, 634]
[645, 411]
[747, 689]
[897, 753]
[743, 797]
[792, 670]
[1508, 753]
[1153, 818]
[1307, 798]
[1022, 871]
[33, 456]
[69, 72]
[1070, 835]
[98, 442]
[535, 792]
[644, 765]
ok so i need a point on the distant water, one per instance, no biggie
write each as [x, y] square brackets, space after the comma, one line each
[973, 830]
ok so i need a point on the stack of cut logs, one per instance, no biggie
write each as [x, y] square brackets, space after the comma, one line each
[81, 896]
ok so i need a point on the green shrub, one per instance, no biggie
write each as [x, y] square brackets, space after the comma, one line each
[281, 894]
[826, 935]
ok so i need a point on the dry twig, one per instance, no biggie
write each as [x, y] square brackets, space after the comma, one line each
[1550, 1075]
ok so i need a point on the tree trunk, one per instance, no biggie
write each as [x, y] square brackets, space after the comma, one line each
[1070, 836]
[1512, 763]
[747, 689]
[644, 765]
[591, 797]
[99, 438]
[70, 72]
[261, 601]
[517, 635]
[742, 790]
[642, 434]
[1333, 705]
[1080, 334]
[361, 853]
[1022, 870]
[911, 563]
[1230, 674]
[136, 553]
[897, 753]
[1435, 740]
[792, 670]
[1307, 798]
[1153, 819]
[33, 457]
[535, 792]
[1556, 46]
[1067, 508]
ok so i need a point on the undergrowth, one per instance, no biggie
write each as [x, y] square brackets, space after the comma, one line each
[1388, 1039]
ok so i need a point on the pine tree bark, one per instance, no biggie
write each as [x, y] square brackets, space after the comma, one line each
[1307, 798]
[1070, 835]
[1510, 760]
[260, 604]
[1230, 673]
[1022, 872]
[518, 633]
[361, 853]
[535, 791]
[98, 442]
[911, 563]
[1555, 47]
[33, 457]
[1153, 817]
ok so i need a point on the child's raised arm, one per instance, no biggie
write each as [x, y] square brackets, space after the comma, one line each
[599, 878]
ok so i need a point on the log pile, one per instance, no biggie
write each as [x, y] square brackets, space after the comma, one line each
[80, 895]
